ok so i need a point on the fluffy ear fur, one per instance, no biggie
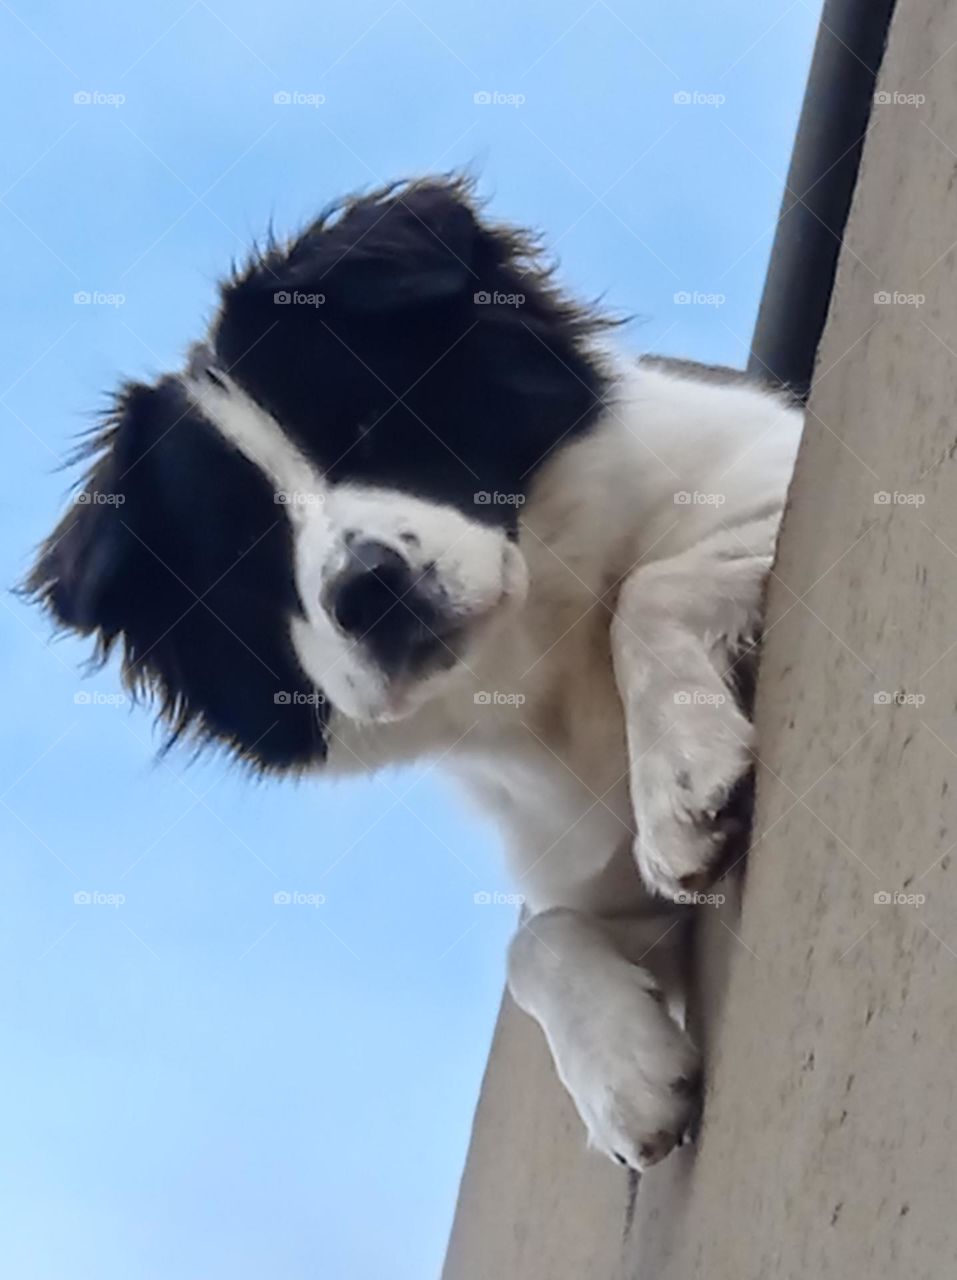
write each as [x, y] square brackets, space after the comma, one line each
[402, 249]
[407, 301]
[175, 549]
[417, 251]
[83, 562]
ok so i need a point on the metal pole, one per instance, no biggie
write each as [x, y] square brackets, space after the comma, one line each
[820, 184]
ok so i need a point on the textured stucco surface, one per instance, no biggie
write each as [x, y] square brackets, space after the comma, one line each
[533, 1201]
[829, 1016]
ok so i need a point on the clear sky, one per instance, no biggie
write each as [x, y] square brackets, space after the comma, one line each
[200, 1081]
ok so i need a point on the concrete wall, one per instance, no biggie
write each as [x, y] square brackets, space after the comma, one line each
[533, 1202]
[828, 1148]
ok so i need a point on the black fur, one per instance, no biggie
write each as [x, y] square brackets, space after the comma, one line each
[175, 547]
[400, 377]
[403, 375]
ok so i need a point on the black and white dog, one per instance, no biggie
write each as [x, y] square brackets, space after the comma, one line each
[406, 501]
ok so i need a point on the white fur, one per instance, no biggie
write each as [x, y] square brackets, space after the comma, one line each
[257, 436]
[589, 713]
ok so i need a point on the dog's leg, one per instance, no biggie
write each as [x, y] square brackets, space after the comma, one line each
[631, 1070]
[681, 626]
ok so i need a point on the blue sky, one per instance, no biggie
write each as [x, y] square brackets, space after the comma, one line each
[200, 1081]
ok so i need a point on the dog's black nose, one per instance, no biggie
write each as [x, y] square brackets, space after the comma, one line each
[370, 586]
[380, 600]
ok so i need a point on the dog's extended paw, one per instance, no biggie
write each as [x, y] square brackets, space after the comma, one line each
[693, 796]
[633, 1074]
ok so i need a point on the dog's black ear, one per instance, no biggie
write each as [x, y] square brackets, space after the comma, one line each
[415, 248]
[175, 552]
[87, 566]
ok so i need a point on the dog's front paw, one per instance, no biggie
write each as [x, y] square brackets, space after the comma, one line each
[693, 795]
[633, 1074]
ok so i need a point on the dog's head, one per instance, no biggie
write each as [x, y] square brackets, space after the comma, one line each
[320, 513]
